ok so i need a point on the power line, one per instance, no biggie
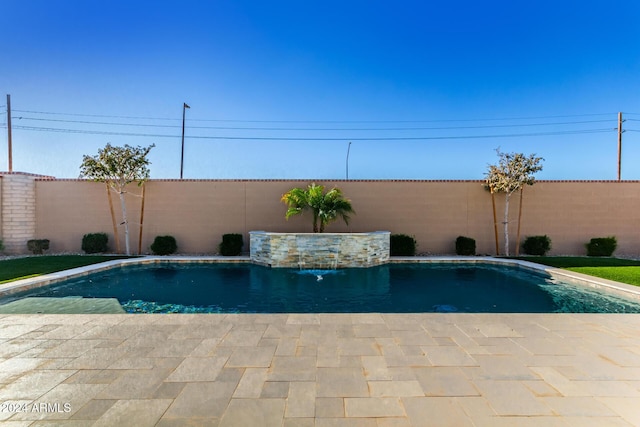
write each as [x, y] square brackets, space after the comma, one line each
[420, 138]
[314, 129]
[93, 122]
[407, 138]
[95, 115]
[318, 121]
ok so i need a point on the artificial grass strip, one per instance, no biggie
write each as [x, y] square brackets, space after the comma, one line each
[628, 274]
[569, 262]
[19, 278]
[21, 268]
[617, 269]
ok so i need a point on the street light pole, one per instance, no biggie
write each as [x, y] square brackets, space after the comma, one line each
[348, 150]
[184, 109]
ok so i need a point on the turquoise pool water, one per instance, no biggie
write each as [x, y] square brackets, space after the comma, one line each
[391, 288]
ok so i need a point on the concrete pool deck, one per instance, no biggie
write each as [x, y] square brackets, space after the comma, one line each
[320, 370]
[347, 370]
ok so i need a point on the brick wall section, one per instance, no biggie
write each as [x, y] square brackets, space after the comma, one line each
[18, 212]
[1, 180]
[198, 212]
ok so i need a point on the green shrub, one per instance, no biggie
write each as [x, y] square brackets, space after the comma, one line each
[231, 244]
[602, 246]
[536, 245]
[37, 246]
[164, 245]
[402, 245]
[94, 243]
[465, 246]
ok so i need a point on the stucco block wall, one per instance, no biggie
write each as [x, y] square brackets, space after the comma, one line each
[571, 213]
[198, 212]
[66, 210]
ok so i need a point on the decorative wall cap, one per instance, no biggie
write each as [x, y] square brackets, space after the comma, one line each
[479, 181]
[35, 175]
[277, 233]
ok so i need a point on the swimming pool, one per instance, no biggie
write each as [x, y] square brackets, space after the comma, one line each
[390, 288]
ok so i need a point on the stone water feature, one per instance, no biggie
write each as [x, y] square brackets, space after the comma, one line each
[319, 250]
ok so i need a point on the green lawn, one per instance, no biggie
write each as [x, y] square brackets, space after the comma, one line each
[21, 268]
[620, 270]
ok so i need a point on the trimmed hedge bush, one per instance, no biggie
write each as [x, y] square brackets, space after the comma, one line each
[536, 245]
[95, 243]
[231, 244]
[164, 245]
[402, 245]
[602, 246]
[465, 246]
[37, 246]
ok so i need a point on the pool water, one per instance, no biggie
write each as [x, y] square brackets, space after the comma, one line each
[391, 288]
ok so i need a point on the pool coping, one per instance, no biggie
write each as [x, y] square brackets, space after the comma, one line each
[573, 277]
[50, 278]
[629, 291]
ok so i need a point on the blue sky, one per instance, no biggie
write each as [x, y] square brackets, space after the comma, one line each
[423, 90]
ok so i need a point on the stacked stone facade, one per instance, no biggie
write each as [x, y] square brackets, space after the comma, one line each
[319, 250]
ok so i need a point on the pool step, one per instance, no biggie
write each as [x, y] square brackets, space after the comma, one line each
[47, 305]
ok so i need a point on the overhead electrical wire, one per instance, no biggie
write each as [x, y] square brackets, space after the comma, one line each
[314, 121]
[249, 138]
[502, 127]
[93, 115]
[18, 118]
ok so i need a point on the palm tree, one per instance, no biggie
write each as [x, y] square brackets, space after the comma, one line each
[326, 207]
[297, 200]
[334, 205]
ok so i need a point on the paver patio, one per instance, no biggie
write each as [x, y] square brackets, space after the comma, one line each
[320, 369]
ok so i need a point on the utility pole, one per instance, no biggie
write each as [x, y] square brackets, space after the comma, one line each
[619, 144]
[184, 109]
[10, 165]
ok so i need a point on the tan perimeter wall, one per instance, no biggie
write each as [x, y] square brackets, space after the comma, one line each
[197, 213]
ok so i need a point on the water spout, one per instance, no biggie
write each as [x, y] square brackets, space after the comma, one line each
[317, 261]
